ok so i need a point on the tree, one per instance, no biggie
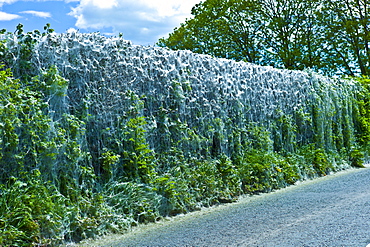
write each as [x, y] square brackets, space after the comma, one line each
[326, 36]
[347, 35]
[288, 33]
[222, 28]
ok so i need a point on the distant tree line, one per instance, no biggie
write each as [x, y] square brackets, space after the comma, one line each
[331, 37]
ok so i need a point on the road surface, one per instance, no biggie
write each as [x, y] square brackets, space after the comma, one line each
[329, 211]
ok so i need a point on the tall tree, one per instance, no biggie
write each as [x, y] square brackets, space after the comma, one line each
[222, 28]
[327, 36]
[347, 35]
[288, 33]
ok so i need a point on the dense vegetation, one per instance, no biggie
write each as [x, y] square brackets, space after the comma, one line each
[56, 185]
[326, 36]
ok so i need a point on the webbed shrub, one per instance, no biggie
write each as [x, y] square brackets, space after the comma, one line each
[111, 158]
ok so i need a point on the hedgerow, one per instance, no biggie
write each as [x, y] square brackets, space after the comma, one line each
[65, 177]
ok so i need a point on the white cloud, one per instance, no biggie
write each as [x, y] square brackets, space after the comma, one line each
[72, 30]
[37, 13]
[142, 21]
[106, 4]
[7, 2]
[2, 2]
[13, 1]
[8, 17]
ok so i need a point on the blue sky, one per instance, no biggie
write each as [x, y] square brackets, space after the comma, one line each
[141, 21]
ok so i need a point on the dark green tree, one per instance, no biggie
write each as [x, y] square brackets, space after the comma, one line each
[326, 36]
[288, 33]
[347, 35]
[222, 28]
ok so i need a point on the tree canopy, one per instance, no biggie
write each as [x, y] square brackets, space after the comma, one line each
[331, 37]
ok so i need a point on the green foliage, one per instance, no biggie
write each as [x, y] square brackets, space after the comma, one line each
[230, 184]
[51, 83]
[66, 173]
[24, 139]
[285, 134]
[108, 159]
[325, 36]
[31, 213]
[20, 58]
[362, 113]
[33, 135]
[137, 203]
[266, 171]
[318, 158]
[137, 157]
[356, 157]
[192, 183]
[346, 36]
[237, 39]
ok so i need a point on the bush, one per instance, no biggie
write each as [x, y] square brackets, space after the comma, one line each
[67, 173]
[32, 212]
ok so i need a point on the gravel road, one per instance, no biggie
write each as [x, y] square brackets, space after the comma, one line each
[329, 211]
